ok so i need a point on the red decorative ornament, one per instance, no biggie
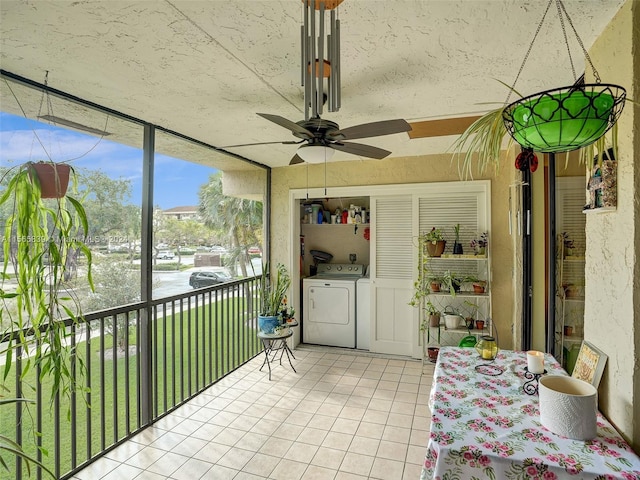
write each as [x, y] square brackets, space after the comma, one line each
[527, 160]
[367, 233]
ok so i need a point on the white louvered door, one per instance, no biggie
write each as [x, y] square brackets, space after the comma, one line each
[392, 322]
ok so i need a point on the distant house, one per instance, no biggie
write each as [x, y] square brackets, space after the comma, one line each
[183, 213]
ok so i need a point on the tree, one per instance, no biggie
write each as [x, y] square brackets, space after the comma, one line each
[116, 284]
[239, 221]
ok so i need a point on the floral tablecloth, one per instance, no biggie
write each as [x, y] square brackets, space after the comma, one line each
[486, 427]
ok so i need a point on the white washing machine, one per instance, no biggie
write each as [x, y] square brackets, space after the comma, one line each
[329, 305]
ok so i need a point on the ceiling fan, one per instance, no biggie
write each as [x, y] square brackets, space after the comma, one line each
[323, 136]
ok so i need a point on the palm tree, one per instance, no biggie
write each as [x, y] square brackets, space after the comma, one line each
[238, 221]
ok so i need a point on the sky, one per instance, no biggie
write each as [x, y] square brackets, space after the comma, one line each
[177, 182]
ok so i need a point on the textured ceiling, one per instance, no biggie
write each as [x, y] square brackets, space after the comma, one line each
[204, 68]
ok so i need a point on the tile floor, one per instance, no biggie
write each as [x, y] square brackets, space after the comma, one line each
[345, 415]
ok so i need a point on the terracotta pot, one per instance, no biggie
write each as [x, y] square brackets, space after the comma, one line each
[478, 288]
[53, 178]
[433, 354]
[479, 324]
[435, 286]
[568, 330]
[434, 320]
[435, 250]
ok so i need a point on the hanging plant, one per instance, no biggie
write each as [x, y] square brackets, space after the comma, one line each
[557, 120]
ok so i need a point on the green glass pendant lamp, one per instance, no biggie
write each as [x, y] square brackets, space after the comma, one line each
[566, 118]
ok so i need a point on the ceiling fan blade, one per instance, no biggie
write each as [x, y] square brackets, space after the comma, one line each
[440, 128]
[374, 129]
[288, 124]
[286, 142]
[360, 150]
[296, 160]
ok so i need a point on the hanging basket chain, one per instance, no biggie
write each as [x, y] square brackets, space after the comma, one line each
[526, 56]
[584, 50]
[562, 12]
[566, 40]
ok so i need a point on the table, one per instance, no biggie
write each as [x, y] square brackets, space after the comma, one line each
[274, 342]
[485, 426]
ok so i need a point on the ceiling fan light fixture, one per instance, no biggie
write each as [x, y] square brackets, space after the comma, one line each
[315, 153]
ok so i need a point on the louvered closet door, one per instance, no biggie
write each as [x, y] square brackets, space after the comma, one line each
[391, 271]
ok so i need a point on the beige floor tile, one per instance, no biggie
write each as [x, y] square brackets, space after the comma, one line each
[146, 457]
[261, 464]
[356, 463]
[344, 425]
[314, 472]
[396, 434]
[288, 470]
[322, 422]
[168, 463]
[352, 413]
[370, 430]
[236, 458]
[364, 445]
[411, 472]
[392, 450]
[342, 417]
[221, 473]
[337, 440]
[415, 454]
[192, 469]
[252, 441]
[328, 458]
[313, 436]
[400, 420]
[123, 471]
[229, 436]
[419, 437]
[276, 447]
[98, 469]
[301, 452]
[375, 416]
[212, 452]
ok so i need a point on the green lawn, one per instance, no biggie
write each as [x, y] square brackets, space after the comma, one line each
[216, 338]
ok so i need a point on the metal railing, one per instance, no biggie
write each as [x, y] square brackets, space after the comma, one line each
[133, 364]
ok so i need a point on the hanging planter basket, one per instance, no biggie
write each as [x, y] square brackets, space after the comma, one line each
[564, 119]
[52, 177]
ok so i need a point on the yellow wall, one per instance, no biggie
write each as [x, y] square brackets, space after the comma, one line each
[437, 168]
[612, 277]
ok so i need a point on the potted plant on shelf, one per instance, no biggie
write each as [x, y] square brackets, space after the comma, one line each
[434, 316]
[451, 282]
[479, 245]
[434, 242]
[457, 246]
[435, 282]
[272, 294]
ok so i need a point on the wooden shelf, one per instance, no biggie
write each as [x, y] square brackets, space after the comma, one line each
[599, 210]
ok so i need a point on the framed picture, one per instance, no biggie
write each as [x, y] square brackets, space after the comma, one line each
[590, 364]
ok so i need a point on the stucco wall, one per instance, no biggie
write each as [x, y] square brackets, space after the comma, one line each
[612, 309]
[399, 171]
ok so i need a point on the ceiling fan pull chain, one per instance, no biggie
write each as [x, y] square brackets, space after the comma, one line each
[584, 51]
[526, 56]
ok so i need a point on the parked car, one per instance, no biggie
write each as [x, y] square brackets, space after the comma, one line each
[204, 279]
[166, 255]
[218, 249]
[254, 251]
